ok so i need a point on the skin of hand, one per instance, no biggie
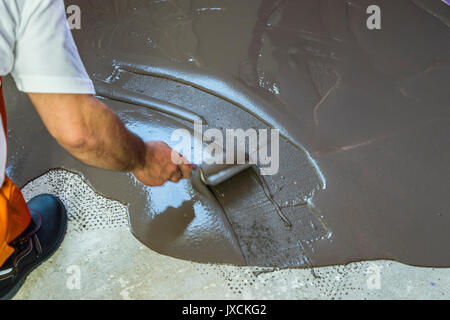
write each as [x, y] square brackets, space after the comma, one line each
[91, 132]
[160, 167]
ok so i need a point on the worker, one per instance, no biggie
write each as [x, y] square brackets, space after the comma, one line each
[37, 49]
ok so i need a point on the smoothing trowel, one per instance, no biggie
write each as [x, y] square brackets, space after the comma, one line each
[213, 175]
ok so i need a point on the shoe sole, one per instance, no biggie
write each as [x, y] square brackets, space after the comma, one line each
[20, 283]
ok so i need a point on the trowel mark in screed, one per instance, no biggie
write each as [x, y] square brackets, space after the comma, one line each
[223, 87]
[263, 184]
[113, 92]
[264, 240]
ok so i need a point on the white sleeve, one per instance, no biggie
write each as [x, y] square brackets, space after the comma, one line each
[46, 59]
[8, 16]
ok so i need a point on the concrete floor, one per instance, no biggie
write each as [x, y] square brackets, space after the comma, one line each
[100, 259]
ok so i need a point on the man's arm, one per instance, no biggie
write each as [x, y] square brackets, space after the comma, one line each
[91, 132]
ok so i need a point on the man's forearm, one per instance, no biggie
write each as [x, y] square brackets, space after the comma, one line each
[109, 145]
[90, 131]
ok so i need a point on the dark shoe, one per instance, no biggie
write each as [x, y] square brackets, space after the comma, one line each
[36, 244]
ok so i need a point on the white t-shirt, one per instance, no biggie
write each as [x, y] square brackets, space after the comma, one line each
[37, 49]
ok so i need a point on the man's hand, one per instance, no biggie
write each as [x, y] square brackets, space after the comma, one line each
[161, 165]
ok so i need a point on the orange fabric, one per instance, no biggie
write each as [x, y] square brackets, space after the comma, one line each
[14, 214]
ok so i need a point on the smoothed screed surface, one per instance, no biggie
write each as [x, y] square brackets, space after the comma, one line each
[363, 116]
